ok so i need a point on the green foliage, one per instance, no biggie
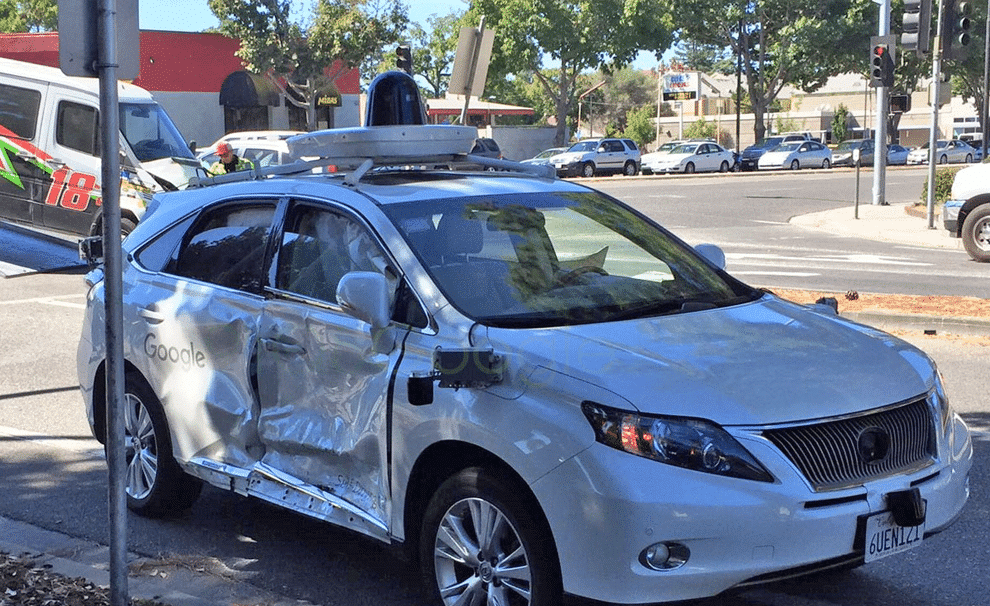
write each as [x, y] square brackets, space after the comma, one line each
[433, 51]
[701, 129]
[294, 54]
[840, 124]
[943, 185]
[786, 124]
[28, 16]
[572, 35]
[641, 125]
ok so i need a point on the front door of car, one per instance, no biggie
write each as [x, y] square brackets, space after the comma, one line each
[323, 386]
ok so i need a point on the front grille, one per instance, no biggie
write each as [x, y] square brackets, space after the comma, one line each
[836, 454]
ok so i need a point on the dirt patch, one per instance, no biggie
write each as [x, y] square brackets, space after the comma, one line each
[922, 305]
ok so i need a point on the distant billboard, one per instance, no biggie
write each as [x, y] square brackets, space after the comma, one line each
[681, 86]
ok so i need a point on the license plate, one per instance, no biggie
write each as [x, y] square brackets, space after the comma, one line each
[884, 537]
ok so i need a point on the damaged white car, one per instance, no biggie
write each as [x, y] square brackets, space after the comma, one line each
[536, 389]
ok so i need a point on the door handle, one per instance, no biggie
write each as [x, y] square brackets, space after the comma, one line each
[152, 315]
[278, 346]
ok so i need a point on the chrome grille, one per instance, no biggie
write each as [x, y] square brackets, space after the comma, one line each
[830, 454]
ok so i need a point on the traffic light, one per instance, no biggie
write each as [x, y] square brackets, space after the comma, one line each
[881, 65]
[955, 26]
[403, 58]
[917, 26]
[900, 104]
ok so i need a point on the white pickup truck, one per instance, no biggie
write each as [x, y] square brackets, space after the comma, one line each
[967, 213]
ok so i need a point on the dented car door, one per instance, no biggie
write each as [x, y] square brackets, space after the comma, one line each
[323, 386]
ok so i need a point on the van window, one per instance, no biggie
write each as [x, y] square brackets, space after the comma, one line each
[77, 127]
[19, 110]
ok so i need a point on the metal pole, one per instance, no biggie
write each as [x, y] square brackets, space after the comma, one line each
[475, 51]
[739, 86]
[880, 140]
[935, 99]
[110, 166]
[656, 139]
[986, 80]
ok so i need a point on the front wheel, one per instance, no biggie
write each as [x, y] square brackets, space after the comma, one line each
[482, 544]
[795, 165]
[826, 163]
[689, 168]
[155, 484]
[976, 233]
[588, 170]
[943, 160]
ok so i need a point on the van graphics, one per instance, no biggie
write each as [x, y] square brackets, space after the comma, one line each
[68, 189]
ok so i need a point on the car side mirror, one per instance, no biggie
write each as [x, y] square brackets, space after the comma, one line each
[366, 295]
[712, 253]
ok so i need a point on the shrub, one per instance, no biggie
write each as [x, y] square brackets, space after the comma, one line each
[943, 185]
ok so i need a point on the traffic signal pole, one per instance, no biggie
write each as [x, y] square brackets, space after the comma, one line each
[935, 98]
[883, 109]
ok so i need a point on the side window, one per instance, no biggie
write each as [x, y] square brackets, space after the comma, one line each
[19, 110]
[77, 127]
[226, 247]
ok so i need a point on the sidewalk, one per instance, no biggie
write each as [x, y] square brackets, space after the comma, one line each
[891, 223]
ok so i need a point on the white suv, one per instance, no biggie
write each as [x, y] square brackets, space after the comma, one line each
[533, 387]
[598, 156]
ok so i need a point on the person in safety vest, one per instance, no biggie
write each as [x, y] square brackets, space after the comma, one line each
[228, 162]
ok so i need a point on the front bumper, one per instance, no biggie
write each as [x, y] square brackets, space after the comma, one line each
[950, 216]
[606, 507]
[749, 163]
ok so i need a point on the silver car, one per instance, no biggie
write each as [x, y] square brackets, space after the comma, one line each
[951, 151]
[534, 387]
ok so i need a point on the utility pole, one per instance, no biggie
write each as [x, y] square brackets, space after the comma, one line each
[883, 103]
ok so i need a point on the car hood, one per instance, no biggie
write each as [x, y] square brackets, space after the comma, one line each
[568, 157]
[674, 158]
[770, 361]
[775, 156]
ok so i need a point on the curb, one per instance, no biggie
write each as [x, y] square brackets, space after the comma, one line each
[977, 327]
[150, 579]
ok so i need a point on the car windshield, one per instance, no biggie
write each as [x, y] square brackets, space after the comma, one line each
[583, 146]
[687, 148]
[848, 145]
[555, 259]
[151, 133]
[549, 152]
[666, 147]
[788, 147]
[769, 143]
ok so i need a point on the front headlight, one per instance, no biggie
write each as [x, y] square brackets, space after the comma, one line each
[693, 444]
[940, 401]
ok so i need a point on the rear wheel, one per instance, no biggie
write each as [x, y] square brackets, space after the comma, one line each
[481, 543]
[588, 170]
[155, 484]
[724, 167]
[629, 169]
[976, 233]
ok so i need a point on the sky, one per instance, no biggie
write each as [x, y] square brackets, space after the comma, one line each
[195, 16]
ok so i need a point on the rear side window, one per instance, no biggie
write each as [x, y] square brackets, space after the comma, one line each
[19, 110]
[77, 127]
[227, 247]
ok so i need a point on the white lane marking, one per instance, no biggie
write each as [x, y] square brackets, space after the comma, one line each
[59, 301]
[857, 259]
[89, 448]
[791, 274]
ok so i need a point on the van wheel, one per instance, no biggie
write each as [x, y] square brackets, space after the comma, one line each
[126, 226]
[155, 484]
[588, 170]
[976, 233]
[481, 544]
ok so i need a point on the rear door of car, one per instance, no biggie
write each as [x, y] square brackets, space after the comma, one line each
[612, 156]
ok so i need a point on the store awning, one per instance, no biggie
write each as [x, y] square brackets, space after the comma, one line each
[244, 89]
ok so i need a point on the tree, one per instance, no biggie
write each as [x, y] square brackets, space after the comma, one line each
[294, 56]
[641, 125]
[574, 36]
[434, 50]
[967, 69]
[840, 124]
[783, 42]
[21, 16]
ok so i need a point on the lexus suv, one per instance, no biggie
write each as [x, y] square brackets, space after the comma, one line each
[534, 389]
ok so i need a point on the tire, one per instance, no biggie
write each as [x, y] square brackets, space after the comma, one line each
[689, 168]
[588, 170]
[943, 160]
[795, 165]
[969, 158]
[155, 484]
[826, 163]
[724, 167]
[452, 560]
[126, 226]
[629, 169]
[976, 233]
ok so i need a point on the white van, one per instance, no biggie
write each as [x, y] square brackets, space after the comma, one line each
[50, 167]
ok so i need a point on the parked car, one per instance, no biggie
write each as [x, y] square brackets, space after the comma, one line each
[897, 155]
[486, 147]
[598, 156]
[966, 214]
[750, 157]
[696, 157]
[951, 151]
[797, 154]
[543, 158]
[843, 154]
[649, 160]
[262, 148]
[506, 374]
